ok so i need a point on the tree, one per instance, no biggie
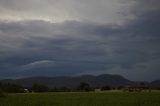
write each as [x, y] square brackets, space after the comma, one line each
[12, 88]
[120, 87]
[40, 88]
[85, 87]
[142, 84]
[64, 89]
[106, 88]
[60, 89]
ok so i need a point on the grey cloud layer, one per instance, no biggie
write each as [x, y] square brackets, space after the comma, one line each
[32, 47]
[108, 11]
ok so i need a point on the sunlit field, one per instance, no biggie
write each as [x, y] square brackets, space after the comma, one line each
[83, 99]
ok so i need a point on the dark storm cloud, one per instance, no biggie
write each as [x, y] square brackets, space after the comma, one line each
[36, 48]
[99, 49]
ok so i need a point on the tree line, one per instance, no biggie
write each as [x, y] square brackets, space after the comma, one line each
[83, 87]
[16, 88]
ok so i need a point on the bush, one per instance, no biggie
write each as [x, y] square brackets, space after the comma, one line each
[12, 88]
[84, 87]
[2, 94]
[61, 89]
[106, 88]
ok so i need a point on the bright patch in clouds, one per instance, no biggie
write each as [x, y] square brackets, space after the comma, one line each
[102, 11]
[38, 64]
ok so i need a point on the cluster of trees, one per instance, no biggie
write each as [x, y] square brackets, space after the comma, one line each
[39, 88]
[83, 87]
[15, 88]
[11, 88]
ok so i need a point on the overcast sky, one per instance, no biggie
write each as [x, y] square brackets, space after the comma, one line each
[76, 37]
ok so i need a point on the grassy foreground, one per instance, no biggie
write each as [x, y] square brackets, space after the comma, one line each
[83, 99]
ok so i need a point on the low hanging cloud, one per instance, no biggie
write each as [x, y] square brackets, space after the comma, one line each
[37, 64]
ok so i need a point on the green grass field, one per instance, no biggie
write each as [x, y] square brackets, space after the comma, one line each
[83, 99]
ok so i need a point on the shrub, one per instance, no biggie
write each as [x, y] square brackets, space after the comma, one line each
[106, 88]
[2, 94]
[12, 88]
[84, 87]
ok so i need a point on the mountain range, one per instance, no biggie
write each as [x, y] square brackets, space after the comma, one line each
[73, 82]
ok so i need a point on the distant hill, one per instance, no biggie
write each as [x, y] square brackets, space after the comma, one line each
[155, 84]
[73, 82]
